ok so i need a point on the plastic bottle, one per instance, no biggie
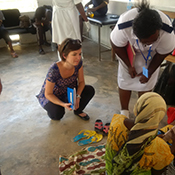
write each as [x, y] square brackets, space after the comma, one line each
[129, 5]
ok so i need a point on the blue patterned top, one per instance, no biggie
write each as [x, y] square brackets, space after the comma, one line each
[61, 84]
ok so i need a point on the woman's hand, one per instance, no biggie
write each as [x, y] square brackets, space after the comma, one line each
[132, 72]
[67, 106]
[143, 79]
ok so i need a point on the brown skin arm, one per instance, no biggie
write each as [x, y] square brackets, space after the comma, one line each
[122, 53]
[155, 63]
[81, 10]
[129, 123]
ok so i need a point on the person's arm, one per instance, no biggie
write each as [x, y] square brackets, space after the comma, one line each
[122, 53]
[103, 4]
[155, 63]
[51, 97]
[81, 85]
[129, 123]
[81, 11]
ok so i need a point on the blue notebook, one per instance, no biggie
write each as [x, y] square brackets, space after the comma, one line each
[71, 96]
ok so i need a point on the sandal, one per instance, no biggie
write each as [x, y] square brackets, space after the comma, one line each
[14, 55]
[98, 125]
[84, 134]
[94, 139]
[106, 129]
[86, 117]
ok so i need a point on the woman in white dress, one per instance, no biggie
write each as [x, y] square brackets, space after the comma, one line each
[150, 33]
[65, 20]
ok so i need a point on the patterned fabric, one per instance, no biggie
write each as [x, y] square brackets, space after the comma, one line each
[151, 152]
[156, 155]
[61, 84]
[89, 161]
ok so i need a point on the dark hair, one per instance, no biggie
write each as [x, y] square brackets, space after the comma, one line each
[146, 22]
[67, 46]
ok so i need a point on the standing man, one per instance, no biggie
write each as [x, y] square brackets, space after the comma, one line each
[150, 33]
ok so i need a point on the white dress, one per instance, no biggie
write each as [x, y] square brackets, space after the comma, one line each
[65, 20]
[164, 44]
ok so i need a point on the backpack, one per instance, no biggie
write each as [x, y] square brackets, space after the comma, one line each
[25, 21]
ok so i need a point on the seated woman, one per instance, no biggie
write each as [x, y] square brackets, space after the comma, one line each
[133, 147]
[66, 73]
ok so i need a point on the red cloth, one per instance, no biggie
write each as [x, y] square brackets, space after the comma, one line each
[171, 114]
[173, 53]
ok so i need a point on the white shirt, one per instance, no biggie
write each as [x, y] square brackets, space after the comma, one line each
[164, 44]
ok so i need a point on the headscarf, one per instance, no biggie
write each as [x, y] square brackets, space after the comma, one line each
[149, 110]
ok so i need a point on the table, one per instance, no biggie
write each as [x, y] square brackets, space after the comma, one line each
[108, 19]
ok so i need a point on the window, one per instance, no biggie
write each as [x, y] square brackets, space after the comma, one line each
[22, 5]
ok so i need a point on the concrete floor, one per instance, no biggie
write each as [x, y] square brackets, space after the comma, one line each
[30, 142]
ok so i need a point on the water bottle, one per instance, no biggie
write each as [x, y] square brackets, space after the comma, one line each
[129, 5]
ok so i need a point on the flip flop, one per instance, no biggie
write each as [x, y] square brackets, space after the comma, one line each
[106, 129]
[95, 138]
[83, 134]
[98, 125]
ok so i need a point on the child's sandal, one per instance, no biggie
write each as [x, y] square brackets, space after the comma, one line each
[106, 129]
[98, 125]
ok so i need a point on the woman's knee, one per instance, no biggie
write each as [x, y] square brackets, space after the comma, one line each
[56, 116]
[55, 112]
[90, 90]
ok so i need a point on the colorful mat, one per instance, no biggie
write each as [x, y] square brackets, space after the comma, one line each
[88, 161]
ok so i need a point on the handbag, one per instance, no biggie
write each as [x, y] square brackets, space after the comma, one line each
[25, 21]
